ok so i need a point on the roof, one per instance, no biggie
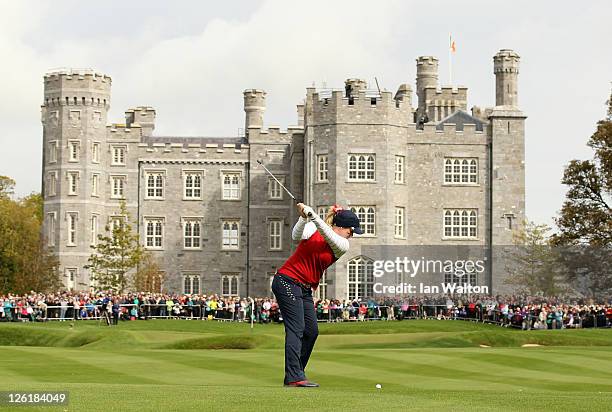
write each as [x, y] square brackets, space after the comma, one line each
[460, 118]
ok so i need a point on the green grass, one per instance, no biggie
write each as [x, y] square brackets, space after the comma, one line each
[422, 365]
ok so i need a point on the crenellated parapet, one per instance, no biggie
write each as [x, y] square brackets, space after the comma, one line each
[274, 134]
[364, 107]
[448, 134]
[76, 87]
[442, 102]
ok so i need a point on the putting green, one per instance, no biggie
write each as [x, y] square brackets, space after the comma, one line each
[421, 365]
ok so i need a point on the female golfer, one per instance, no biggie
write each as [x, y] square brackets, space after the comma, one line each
[321, 244]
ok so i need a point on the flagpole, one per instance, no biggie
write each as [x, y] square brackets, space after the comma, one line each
[450, 59]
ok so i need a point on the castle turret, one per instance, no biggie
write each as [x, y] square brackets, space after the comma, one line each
[254, 107]
[143, 116]
[76, 103]
[506, 68]
[404, 94]
[427, 76]
[352, 87]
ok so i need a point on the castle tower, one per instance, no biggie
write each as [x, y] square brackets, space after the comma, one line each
[74, 113]
[427, 77]
[254, 107]
[506, 68]
[507, 162]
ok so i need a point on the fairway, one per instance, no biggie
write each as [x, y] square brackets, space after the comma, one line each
[421, 365]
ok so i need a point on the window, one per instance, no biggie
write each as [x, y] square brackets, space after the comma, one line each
[229, 285]
[73, 151]
[191, 284]
[360, 278]
[361, 167]
[154, 233]
[51, 228]
[155, 185]
[118, 189]
[93, 230]
[275, 192]
[367, 218]
[271, 279]
[73, 183]
[52, 152]
[460, 171]
[191, 233]
[95, 152]
[399, 169]
[192, 185]
[231, 186]
[470, 278]
[460, 224]
[118, 155]
[275, 235]
[322, 211]
[52, 184]
[321, 292]
[71, 274]
[115, 223]
[72, 228]
[95, 179]
[399, 222]
[322, 168]
[230, 230]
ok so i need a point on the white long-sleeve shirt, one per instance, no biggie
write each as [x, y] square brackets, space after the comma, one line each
[304, 228]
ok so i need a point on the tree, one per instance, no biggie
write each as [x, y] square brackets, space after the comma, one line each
[26, 263]
[586, 215]
[585, 220]
[532, 264]
[116, 253]
[148, 277]
[7, 186]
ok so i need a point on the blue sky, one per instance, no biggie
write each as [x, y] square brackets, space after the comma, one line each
[191, 60]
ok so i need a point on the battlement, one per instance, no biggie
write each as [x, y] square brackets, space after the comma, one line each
[123, 131]
[458, 93]
[426, 60]
[254, 98]
[74, 73]
[77, 87]
[195, 148]
[506, 61]
[273, 134]
[330, 106]
[449, 133]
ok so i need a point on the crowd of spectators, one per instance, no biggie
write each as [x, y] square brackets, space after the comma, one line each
[525, 312]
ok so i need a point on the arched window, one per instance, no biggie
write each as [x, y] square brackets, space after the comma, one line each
[360, 271]
[362, 167]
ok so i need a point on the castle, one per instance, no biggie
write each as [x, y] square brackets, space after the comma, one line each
[428, 174]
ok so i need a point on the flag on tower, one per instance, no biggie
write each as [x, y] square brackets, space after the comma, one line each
[453, 47]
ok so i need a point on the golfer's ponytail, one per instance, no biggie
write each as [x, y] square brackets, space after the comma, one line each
[329, 219]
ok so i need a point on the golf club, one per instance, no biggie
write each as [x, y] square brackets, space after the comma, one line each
[281, 185]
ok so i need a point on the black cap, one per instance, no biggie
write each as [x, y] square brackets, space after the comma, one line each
[346, 218]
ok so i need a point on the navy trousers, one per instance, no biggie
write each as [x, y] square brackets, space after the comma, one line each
[301, 329]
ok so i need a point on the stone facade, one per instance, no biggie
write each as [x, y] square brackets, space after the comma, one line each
[426, 175]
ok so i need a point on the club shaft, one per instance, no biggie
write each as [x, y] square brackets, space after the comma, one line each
[277, 181]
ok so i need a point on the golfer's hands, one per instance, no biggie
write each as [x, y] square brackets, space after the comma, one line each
[304, 210]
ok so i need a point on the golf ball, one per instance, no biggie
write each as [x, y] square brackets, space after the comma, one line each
[378, 386]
